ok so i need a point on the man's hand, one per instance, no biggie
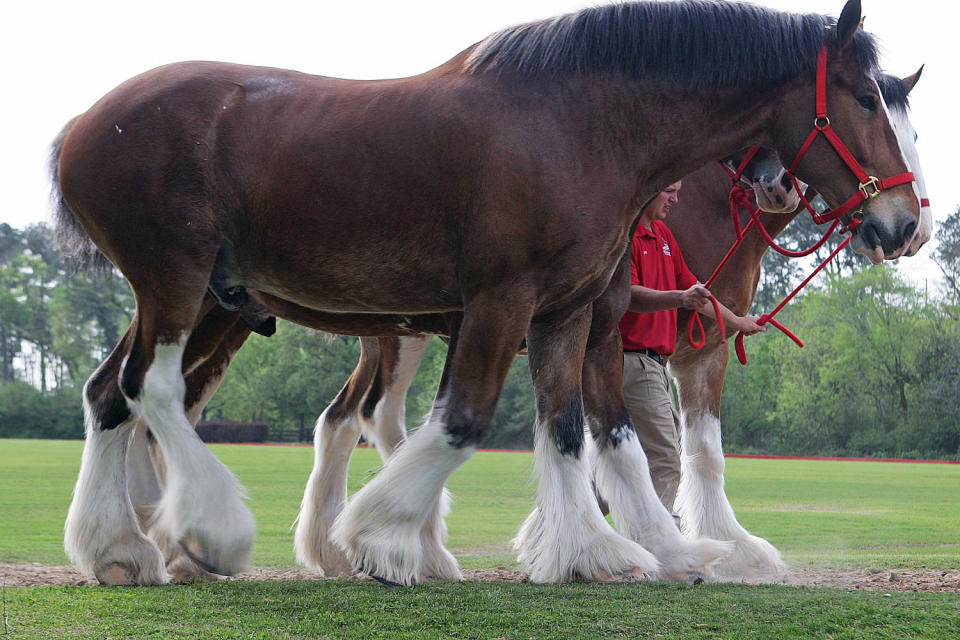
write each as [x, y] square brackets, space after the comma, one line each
[695, 297]
[748, 325]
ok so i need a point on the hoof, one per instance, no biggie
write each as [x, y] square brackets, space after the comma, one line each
[693, 559]
[131, 562]
[116, 575]
[200, 562]
[389, 583]
[754, 559]
[184, 569]
[633, 575]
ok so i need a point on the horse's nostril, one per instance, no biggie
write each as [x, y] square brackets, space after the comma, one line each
[769, 189]
[779, 200]
[909, 230]
[786, 182]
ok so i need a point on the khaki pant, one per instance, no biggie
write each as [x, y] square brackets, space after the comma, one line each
[646, 389]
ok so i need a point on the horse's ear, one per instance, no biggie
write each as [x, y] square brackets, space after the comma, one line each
[911, 81]
[848, 23]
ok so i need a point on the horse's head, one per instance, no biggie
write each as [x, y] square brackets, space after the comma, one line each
[768, 178]
[895, 92]
[848, 149]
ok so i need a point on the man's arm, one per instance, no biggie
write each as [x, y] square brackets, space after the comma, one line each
[697, 297]
[646, 300]
[747, 324]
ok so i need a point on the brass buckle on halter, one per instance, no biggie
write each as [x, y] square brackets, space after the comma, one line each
[824, 119]
[872, 182]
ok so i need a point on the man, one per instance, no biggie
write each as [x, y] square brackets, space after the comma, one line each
[660, 283]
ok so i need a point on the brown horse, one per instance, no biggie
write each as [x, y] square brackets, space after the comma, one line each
[701, 500]
[510, 173]
[372, 400]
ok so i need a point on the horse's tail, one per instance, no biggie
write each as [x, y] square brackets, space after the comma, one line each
[76, 248]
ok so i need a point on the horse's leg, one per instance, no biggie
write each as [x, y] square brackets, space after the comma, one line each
[205, 362]
[381, 529]
[566, 537]
[212, 345]
[384, 424]
[334, 439]
[101, 534]
[145, 485]
[384, 408]
[202, 508]
[621, 473]
[143, 482]
[701, 500]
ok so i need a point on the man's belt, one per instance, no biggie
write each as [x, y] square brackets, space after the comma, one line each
[659, 357]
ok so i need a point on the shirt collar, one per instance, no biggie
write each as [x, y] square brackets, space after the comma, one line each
[643, 231]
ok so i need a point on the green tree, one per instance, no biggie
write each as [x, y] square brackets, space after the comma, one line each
[947, 254]
[861, 385]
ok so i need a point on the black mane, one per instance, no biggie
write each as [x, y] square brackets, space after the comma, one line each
[691, 43]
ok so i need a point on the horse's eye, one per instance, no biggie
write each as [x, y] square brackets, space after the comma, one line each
[868, 102]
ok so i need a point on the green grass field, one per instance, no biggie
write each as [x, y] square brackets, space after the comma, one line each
[829, 514]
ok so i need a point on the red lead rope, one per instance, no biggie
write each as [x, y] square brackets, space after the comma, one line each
[870, 186]
[768, 317]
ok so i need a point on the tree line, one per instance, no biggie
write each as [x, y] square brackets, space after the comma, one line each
[879, 375]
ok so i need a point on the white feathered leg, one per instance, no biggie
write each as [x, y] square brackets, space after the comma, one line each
[438, 562]
[326, 494]
[381, 529]
[622, 478]
[213, 524]
[101, 535]
[566, 536]
[146, 491]
[334, 441]
[705, 510]
[388, 430]
[143, 483]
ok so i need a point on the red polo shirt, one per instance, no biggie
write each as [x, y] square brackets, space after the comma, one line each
[655, 263]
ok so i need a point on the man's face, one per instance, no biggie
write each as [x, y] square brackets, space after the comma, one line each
[660, 206]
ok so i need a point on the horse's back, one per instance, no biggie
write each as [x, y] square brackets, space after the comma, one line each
[320, 187]
[284, 167]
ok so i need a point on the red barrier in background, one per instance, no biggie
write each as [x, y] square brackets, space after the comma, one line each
[758, 456]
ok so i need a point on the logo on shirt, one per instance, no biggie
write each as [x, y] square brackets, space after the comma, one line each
[666, 249]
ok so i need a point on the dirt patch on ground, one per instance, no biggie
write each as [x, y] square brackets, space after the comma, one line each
[928, 580]
[931, 581]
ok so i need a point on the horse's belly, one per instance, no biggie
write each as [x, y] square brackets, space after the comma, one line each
[356, 278]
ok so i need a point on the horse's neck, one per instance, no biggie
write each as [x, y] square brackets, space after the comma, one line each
[666, 135]
[650, 129]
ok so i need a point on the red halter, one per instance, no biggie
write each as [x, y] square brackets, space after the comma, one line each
[870, 186]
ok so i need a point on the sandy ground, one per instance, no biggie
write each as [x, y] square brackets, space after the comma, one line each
[31, 575]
